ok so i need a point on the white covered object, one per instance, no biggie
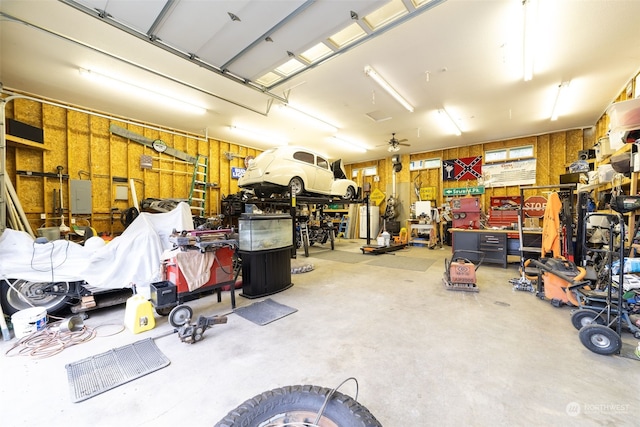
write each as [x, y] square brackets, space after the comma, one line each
[132, 257]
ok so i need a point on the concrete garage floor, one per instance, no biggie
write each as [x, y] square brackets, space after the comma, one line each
[422, 355]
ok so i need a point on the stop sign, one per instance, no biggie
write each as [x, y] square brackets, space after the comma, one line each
[534, 206]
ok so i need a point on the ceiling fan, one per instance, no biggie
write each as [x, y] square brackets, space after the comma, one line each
[394, 143]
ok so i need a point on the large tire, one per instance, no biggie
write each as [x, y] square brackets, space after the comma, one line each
[299, 405]
[584, 317]
[13, 296]
[600, 339]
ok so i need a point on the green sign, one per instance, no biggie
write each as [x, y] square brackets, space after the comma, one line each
[464, 191]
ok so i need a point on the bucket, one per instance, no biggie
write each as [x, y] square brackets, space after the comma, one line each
[29, 320]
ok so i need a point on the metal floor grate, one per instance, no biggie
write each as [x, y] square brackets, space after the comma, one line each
[97, 374]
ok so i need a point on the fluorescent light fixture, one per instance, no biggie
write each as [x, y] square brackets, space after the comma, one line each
[147, 93]
[529, 37]
[350, 145]
[386, 86]
[448, 121]
[260, 136]
[559, 102]
[308, 118]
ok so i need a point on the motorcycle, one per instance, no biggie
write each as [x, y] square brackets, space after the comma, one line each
[311, 232]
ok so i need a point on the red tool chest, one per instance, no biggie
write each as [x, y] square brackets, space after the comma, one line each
[221, 270]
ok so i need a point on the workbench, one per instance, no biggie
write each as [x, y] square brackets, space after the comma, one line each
[497, 245]
[421, 228]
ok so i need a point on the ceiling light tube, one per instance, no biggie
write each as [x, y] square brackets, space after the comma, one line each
[257, 135]
[559, 101]
[135, 90]
[308, 118]
[529, 37]
[448, 121]
[353, 146]
[387, 87]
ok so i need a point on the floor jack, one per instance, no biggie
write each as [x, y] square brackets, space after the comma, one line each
[460, 273]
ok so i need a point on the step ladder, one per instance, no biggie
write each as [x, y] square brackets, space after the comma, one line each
[198, 192]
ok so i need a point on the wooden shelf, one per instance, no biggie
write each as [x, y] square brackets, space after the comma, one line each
[15, 141]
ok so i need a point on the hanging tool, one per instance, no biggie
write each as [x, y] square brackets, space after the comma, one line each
[63, 227]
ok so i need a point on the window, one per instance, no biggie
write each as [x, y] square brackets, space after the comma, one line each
[514, 153]
[425, 164]
[370, 171]
[304, 157]
[324, 164]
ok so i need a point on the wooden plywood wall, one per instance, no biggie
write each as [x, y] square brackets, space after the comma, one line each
[553, 152]
[82, 144]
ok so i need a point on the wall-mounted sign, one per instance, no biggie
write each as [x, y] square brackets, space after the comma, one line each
[236, 173]
[464, 191]
[522, 172]
[534, 206]
[427, 193]
[377, 197]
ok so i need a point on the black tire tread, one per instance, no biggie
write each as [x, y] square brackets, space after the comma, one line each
[588, 331]
[241, 415]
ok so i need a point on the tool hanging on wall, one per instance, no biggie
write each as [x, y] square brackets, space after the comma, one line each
[63, 227]
[156, 144]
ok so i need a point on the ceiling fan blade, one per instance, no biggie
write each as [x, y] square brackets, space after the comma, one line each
[402, 140]
[406, 145]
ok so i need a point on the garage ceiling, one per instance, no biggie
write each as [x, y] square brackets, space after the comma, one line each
[252, 63]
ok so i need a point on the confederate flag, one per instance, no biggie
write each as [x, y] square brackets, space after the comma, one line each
[462, 169]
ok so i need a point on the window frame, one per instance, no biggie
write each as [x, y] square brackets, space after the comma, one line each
[507, 154]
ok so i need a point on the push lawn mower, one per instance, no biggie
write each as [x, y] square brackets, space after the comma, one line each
[460, 273]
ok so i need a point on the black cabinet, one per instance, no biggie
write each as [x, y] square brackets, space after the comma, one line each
[266, 272]
[492, 245]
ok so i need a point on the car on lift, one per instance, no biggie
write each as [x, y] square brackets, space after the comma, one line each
[296, 170]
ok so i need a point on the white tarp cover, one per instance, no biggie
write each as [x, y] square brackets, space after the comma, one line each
[134, 257]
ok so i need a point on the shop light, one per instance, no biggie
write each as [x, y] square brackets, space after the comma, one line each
[447, 120]
[351, 145]
[559, 101]
[147, 93]
[312, 120]
[387, 87]
[529, 37]
[260, 136]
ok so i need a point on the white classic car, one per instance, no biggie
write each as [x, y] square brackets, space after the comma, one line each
[299, 171]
